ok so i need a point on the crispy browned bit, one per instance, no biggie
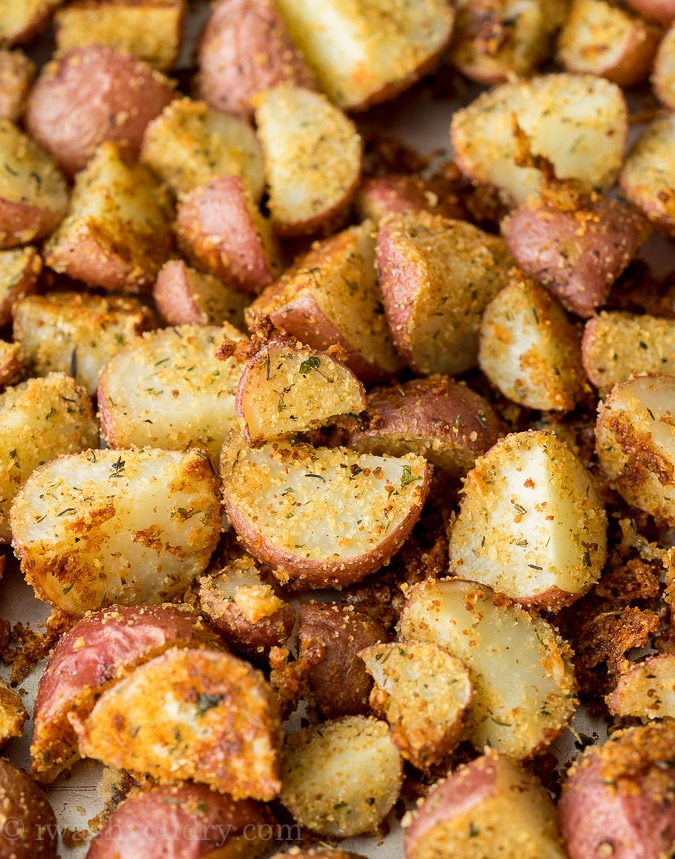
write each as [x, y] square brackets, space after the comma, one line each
[27, 646]
[289, 679]
[386, 154]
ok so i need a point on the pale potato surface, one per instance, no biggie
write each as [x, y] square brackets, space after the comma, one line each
[16, 75]
[646, 690]
[19, 271]
[663, 72]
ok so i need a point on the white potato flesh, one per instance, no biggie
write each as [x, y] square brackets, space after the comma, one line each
[524, 685]
[635, 441]
[663, 74]
[341, 778]
[530, 524]
[578, 122]
[168, 390]
[106, 526]
[646, 690]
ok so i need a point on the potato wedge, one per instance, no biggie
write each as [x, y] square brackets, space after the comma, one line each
[22, 20]
[167, 389]
[489, 807]
[437, 276]
[107, 526]
[497, 40]
[186, 821]
[663, 72]
[662, 11]
[529, 349]
[617, 344]
[646, 690]
[438, 418]
[578, 122]
[578, 253]
[189, 144]
[424, 693]
[90, 95]
[203, 715]
[600, 38]
[151, 30]
[341, 777]
[321, 516]
[30, 830]
[117, 233]
[362, 55]
[19, 271]
[618, 796]
[286, 388]
[16, 75]
[379, 196]
[33, 192]
[77, 332]
[646, 179]
[12, 366]
[524, 691]
[312, 157]
[635, 442]
[330, 297]
[96, 652]
[530, 524]
[245, 48]
[184, 296]
[223, 233]
[39, 420]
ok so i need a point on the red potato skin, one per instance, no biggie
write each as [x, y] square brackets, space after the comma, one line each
[662, 11]
[245, 48]
[215, 231]
[253, 639]
[21, 222]
[91, 95]
[185, 821]
[391, 195]
[28, 824]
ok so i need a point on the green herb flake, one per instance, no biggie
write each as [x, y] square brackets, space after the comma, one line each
[206, 702]
[309, 364]
[407, 477]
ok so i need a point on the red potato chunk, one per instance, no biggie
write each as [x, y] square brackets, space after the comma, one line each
[380, 196]
[184, 296]
[29, 828]
[16, 75]
[663, 72]
[19, 272]
[662, 11]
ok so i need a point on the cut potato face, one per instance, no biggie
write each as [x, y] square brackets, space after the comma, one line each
[19, 270]
[203, 715]
[635, 440]
[321, 516]
[578, 122]
[341, 778]
[646, 690]
[362, 54]
[286, 388]
[16, 75]
[524, 686]
[530, 523]
[663, 73]
[169, 390]
[312, 157]
[107, 526]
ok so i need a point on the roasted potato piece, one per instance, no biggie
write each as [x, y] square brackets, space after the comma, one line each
[245, 48]
[497, 40]
[39, 420]
[33, 192]
[438, 418]
[19, 271]
[321, 516]
[327, 852]
[646, 690]
[117, 233]
[362, 55]
[22, 20]
[190, 714]
[245, 608]
[96, 652]
[222, 232]
[489, 807]
[77, 332]
[29, 830]
[615, 345]
[662, 11]
[184, 821]
[330, 297]
[646, 179]
[149, 29]
[424, 693]
[341, 777]
[16, 75]
[437, 276]
[663, 72]
[524, 691]
[13, 713]
[600, 38]
[312, 155]
[529, 349]
[339, 681]
[189, 144]
[91, 95]
[617, 799]
[184, 296]
[167, 389]
[576, 253]
[530, 523]
[578, 122]
[635, 441]
[12, 366]
[286, 388]
[379, 196]
[106, 526]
